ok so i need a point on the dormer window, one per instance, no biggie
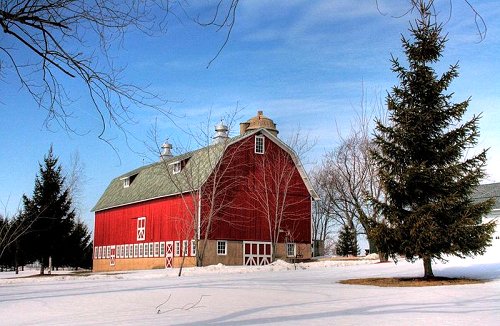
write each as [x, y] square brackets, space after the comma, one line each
[176, 167]
[127, 181]
[259, 144]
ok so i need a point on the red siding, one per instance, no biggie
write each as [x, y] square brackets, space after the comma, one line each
[166, 219]
[243, 177]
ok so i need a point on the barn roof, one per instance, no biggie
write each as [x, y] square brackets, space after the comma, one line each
[157, 180]
[486, 191]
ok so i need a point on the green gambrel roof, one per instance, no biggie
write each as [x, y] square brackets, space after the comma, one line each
[158, 180]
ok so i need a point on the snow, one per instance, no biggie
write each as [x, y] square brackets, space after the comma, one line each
[278, 294]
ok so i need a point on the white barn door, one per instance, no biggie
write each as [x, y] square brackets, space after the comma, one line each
[257, 253]
[169, 254]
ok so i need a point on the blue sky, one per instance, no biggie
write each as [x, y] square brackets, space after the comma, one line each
[306, 64]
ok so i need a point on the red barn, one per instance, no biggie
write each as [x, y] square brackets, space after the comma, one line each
[242, 200]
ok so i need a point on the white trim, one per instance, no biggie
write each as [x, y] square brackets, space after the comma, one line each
[185, 248]
[151, 249]
[176, 167]
[156, 249]
[294, 254]
[141, 250]
[263, 150]
[177, 248]
[136, 250]
[193, 247]
[199, 215]
[162, 249]
[262, 255]
[141, 228]
[220, 253]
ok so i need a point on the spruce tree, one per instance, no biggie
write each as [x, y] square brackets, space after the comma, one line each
[347, 243]
[49, 214]
[421, 155]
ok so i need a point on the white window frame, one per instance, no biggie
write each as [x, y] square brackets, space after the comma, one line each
[176, 167]
[291, 245]
[99, 252]
[136, 250]
[96, 250]
[151, 249]
[157, 249]
[141, 228]
[193, 247]
[108, 252]
[177, 248]
[258, 149]
[126, 182]
[141, 250]
[162, 249]
[185, 248]
[219, 248]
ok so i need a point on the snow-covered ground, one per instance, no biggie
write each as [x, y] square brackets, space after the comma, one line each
[276, 294]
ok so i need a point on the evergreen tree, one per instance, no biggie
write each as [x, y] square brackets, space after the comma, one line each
[79, 249]
[347, 243]
[427, 179]
[50, 215]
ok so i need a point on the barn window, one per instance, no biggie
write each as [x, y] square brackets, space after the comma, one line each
[136, 250]
[291, 249]
[259, 144]
[141, 248]
[127, 181]
[176, 167]
[108, 254]
[157, 249]
[162, 249]
[193, 247]
[221, 247]
[151, 249]
[96, 250]
[185, 248]
[141, 228]
[177, 251]
[99, 252]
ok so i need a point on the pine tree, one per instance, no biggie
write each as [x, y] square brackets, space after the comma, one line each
[50, 215]
[427, 179]
[347, 243]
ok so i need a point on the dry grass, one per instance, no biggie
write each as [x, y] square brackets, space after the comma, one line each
[411, 281]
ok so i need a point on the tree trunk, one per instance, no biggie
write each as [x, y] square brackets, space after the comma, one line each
[428, 267]
[42, 272]
[383, 257]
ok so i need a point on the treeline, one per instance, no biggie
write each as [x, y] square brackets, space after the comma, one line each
[47, 228]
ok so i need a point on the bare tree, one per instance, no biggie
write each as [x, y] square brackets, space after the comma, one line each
[206, 197]
[276, 189]
[347, 180]
[48, 43]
